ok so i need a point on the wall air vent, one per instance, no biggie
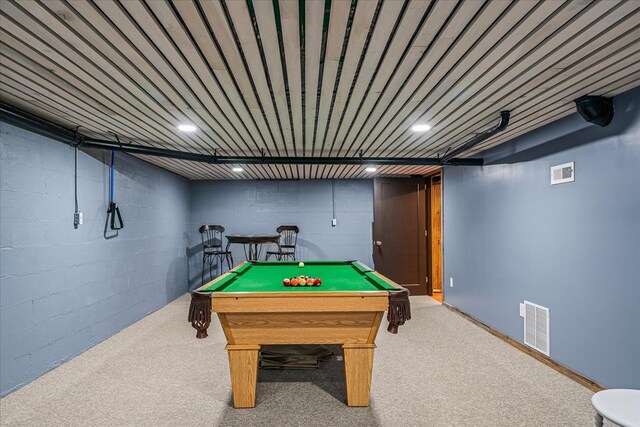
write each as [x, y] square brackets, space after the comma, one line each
[563, 173]
[536, 327]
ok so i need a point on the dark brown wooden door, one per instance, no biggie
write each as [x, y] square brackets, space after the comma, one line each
[399, 242]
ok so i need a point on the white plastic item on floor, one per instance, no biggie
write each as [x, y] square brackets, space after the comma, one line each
[622, 406]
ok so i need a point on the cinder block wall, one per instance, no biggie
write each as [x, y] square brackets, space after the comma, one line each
[64, 290]
[258, 207]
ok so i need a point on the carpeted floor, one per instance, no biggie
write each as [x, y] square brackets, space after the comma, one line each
[440, 370]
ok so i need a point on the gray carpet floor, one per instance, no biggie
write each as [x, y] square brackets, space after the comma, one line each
[440, 370]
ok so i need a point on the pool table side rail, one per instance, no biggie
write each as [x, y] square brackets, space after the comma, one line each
[278, 302]
[221, 277]
[391, 282]
[361, 266]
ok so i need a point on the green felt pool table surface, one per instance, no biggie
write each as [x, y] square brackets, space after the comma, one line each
[267, 276]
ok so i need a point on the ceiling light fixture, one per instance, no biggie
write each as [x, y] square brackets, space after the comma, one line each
[187, 128]
[371, 169]
[237, 169]
[420, 128]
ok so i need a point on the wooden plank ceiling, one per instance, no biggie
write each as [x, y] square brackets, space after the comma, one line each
[311, 78]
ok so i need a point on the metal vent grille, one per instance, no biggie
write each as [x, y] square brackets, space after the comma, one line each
[562, 173]
[536, 327]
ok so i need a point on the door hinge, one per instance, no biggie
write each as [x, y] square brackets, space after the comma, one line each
[425, 233]
[426, 279]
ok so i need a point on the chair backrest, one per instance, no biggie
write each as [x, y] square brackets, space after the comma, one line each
[211, 236]
[288, 235]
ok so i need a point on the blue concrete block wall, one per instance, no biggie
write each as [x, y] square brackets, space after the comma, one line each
[510, 236]
[64, 290]
[258, 207]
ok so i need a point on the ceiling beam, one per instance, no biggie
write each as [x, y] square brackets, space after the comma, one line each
[51, 130]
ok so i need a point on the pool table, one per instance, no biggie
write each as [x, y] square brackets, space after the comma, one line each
[255, 308]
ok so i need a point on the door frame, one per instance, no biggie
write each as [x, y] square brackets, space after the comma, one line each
[430, 231]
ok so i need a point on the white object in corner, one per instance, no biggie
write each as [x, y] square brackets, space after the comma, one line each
[536, 327]
[563, 173]
[617, 405]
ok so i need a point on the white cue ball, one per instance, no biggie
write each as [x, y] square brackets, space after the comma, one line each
[301, 264]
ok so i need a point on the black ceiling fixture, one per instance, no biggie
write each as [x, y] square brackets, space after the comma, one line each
[595, 109]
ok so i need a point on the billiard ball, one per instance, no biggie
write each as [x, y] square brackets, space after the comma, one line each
[301, 264]
[294, 282]
[309, 281]
[286, 282]
[317, 282]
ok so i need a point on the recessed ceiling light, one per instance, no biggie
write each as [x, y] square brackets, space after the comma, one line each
[187, 128]
[420, 128]
[371, 169]
[237, 169]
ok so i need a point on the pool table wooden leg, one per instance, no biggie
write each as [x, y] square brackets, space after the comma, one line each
[358, 365]
[243, 362]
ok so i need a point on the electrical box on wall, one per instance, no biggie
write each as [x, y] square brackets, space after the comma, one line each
[563, 173]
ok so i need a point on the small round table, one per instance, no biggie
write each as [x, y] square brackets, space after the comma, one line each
[622, 406]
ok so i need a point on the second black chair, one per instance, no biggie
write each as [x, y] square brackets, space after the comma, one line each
[212, 250]
[286, 244]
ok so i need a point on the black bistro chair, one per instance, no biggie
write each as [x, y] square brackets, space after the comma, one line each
[212, 249]
[286, 244]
